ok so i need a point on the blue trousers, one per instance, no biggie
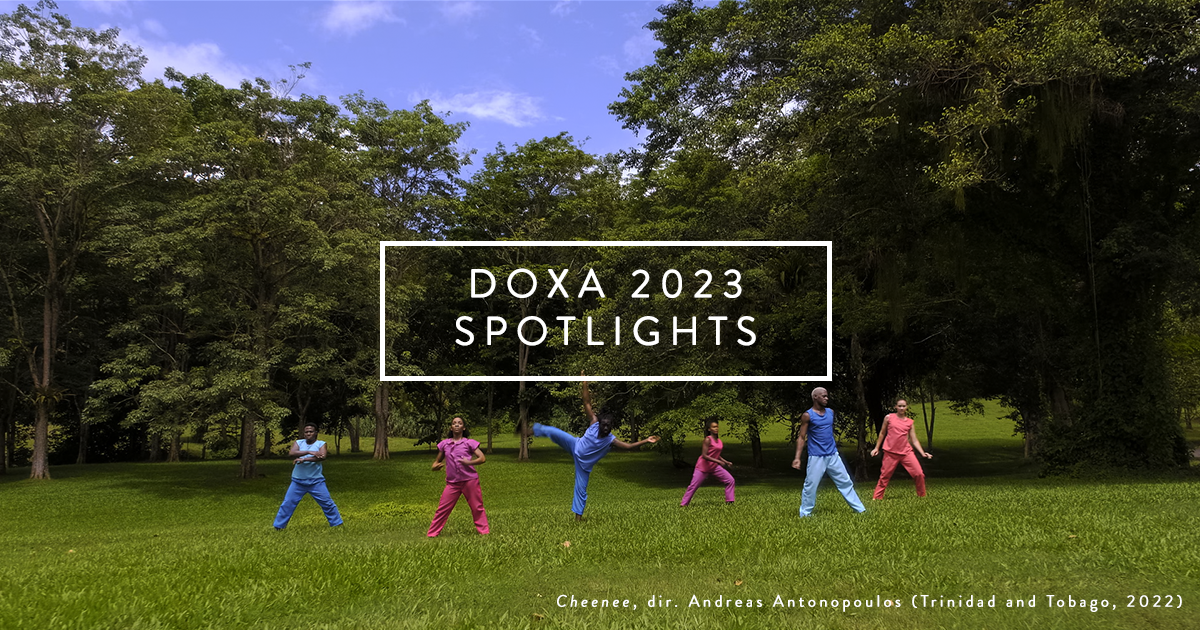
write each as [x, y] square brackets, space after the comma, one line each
[582, 474]
[832, 465]
[296, 491]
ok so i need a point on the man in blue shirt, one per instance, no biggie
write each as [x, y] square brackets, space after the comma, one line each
[816, 431]
[307, 478]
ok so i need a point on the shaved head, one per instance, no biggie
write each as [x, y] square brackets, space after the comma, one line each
[818, 391]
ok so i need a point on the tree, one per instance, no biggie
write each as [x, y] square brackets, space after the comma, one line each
[1000, 166]
[63, 158]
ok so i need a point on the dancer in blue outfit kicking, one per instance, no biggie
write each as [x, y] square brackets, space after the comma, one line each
[307, 478]
[587, 449]
[816, 431]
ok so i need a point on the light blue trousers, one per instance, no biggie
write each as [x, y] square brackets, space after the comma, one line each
[296, 491]
[831, 465]
[582, 475]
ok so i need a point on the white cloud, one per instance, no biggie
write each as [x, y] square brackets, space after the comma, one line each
[190, 59]
[347, 17]
[154, 27]
[458, 11]
[511, 108]
[563, 8]
[108, 7]
[639, 49]
[531, 35]
[608, 65]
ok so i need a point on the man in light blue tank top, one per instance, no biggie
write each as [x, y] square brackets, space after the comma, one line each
[816, 431]
[308, 478]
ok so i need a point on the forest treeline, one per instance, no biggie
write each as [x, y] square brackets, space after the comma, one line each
[1010, 187]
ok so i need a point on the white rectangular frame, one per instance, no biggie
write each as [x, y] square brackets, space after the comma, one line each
[828, 245]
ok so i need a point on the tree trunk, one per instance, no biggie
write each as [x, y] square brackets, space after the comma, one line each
[755, 442]
[522, 404]
[173, 453]
[383, 408]
[249, 442]
[354, 430]
[81, 457]
[860, 464]
[266, 449]
[929, 418]
[155, 446]
[490, 421]
[1187, 416]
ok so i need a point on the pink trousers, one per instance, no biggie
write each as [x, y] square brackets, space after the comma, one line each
[450, 495]
[911, 464]
[698, 478]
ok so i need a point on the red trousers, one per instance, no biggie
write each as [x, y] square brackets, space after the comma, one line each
[911, 464]
[450, 495]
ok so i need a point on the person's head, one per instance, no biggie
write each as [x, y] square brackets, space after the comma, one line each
[309, 432]
[820, 396]
[459, 426]
[607, 420]
[902, 408]
[711, 428]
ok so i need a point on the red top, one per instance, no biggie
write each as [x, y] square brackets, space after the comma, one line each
[896, 440]
[714, 452]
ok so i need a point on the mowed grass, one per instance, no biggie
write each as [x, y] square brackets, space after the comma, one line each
[190, 546]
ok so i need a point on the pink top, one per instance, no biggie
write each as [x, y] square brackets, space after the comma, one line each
[896, 440]
[714, 452]
[457, 471]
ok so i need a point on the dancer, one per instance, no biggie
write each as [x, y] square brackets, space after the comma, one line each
[454, 454]
[898, 438]
[816, 431]
[588, 449]
[307, 478]
[710, 463]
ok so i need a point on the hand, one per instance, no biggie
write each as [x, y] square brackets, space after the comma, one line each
[875, 452]
[727, 463]
[298, 460]
[465, 461]
[796, 463]
[437, 465]
[928, 455]
[652, 439]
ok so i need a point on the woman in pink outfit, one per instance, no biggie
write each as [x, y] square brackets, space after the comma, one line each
[898, 439]
[454, 454]
[710, 463]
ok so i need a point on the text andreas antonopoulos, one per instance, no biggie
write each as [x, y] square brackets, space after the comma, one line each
[917, 601]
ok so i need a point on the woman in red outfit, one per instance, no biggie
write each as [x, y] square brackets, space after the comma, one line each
[898, 439]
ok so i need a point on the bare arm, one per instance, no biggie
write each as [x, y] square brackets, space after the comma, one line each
[306, 456]
[587, 402]
[479, 459]
[912, 439]
[704, 451]
[801, 439]
[626, 445]
[439, 461]
[882, 432]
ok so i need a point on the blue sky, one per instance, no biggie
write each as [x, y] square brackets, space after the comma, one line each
[515, 70]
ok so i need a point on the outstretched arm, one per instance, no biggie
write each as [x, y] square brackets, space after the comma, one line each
[912, 439]
[626, 445]
[801, 439]
[587, 402]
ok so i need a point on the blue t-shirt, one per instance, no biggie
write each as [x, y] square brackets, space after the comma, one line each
[591, 448]
[820, 433]
[308, 471]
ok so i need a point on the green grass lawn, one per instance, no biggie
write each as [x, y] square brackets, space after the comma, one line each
[189, 546]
